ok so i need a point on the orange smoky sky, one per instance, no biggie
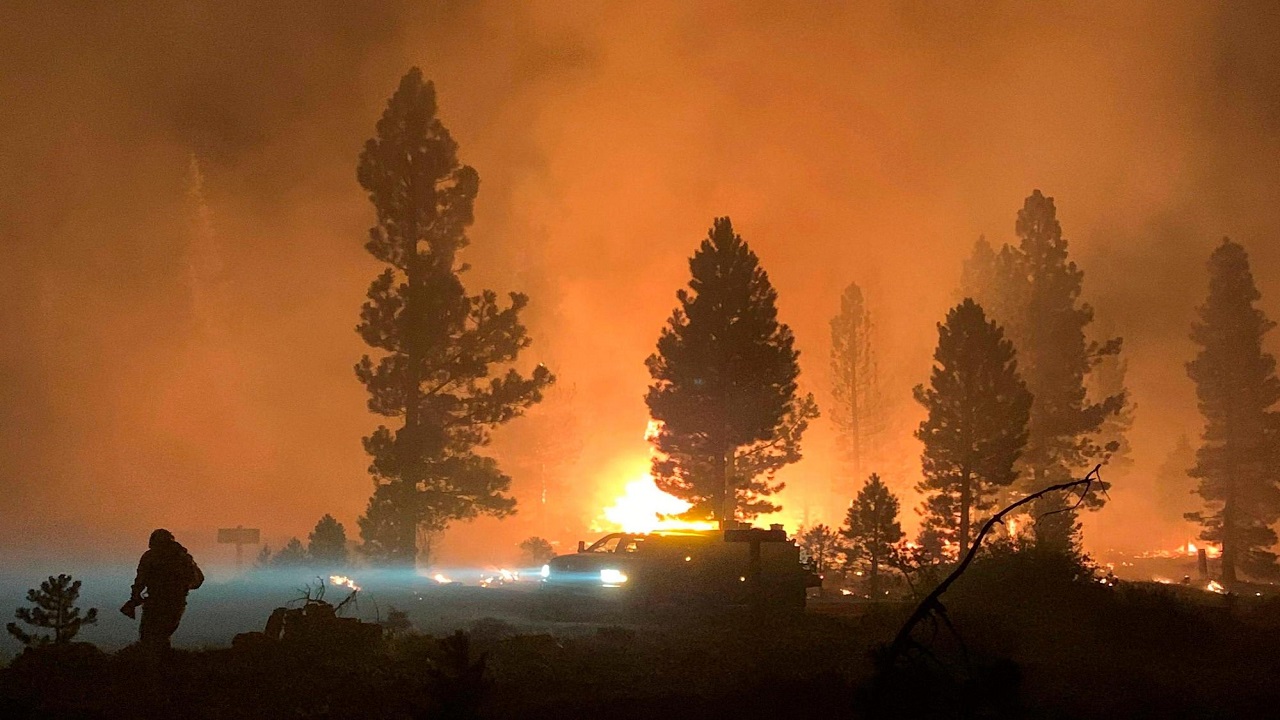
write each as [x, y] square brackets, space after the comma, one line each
[184, 359]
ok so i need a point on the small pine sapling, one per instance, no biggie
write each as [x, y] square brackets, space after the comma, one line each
[54, 608]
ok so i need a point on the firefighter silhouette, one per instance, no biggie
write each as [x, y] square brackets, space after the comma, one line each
[166, 573]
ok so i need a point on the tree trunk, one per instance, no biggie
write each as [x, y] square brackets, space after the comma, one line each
[725, 509]
[855, 424]
[873, 576]
[966, 498]
[411, 345]
[730, 511]
[1228, 541]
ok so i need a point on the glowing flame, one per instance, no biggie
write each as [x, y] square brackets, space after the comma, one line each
[951, 549]
[1215, 587]
[1190, 549]
[1209, 550]
[643, 508]
[651, 430]
[502, 577]
[344, 581]
[438, 577]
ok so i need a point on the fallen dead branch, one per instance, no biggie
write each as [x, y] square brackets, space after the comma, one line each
[931, 606]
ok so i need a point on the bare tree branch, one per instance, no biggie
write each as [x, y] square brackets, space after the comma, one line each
[931, 606]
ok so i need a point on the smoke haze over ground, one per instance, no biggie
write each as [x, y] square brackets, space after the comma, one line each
[160, 372]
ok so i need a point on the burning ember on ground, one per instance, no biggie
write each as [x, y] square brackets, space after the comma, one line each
[344, 581]
[440, 578]
[502, 577]
[1188, 550]
[1213, 586]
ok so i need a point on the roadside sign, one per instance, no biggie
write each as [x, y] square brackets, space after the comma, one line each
[239, 536]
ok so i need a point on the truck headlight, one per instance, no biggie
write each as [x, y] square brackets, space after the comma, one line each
[545, 572]
[610, 577]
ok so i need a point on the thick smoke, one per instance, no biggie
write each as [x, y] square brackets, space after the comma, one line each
[157, 372]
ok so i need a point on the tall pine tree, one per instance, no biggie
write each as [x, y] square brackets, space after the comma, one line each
[1033, 291]
[871, 526]
[978, 410]
[855, 387]
[1237, 389]
[724, 385]
[438, 345]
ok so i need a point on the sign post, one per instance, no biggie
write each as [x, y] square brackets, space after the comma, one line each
[238, 536]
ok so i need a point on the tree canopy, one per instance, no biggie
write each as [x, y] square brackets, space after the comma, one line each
[438, 346]
[978, 408]
[327, 543]
[1237, 390]
[871, 527]
[1033, 290]
[53, 607]
[857, 411]
[724, 385]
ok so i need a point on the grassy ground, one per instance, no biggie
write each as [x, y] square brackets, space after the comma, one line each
[1025, 646]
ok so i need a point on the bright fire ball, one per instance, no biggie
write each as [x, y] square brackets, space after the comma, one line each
[643, 508]
[344, 581]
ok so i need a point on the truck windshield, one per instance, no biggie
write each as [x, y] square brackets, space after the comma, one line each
[616, 544]
[606, 544]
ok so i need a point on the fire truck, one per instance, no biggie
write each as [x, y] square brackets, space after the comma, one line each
[681, 570]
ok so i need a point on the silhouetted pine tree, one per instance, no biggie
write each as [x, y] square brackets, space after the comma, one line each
[293, 554]
[977, 425]
[438, 343]
[871, 527]
[327, 543]
[536, 551]
[1033, 291]
[724, 381]
[855, 388]
[1237, 389]
[823, 545]
[54, 609]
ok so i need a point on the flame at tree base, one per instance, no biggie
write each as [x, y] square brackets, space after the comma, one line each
[643, 508]
[1190, 549]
